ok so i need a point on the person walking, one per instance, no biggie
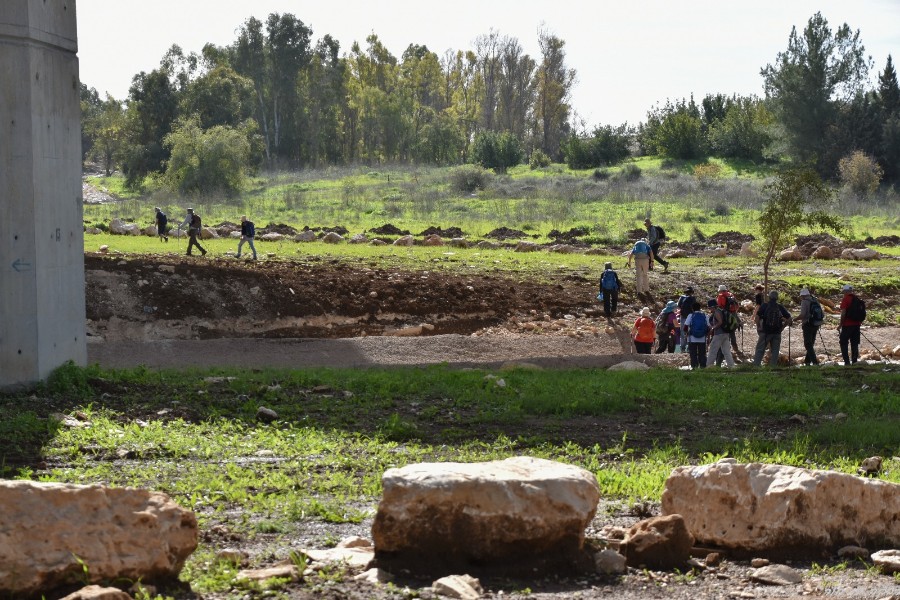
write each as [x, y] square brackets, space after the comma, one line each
[811, 318]
[193, 224]
[642, 254]
[667, 328]
[695, 330]
[771, 318]
[162, 223]
[655, 239]
[609, 287]
[248, 232]
[719, 337]
[643, 332]
[687, 303]
[849, 327]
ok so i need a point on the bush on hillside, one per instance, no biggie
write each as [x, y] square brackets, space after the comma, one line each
[468, 178]
[860, 174]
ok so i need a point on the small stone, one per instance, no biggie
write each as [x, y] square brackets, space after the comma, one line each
[96, 592]
[776, 575]
[853, 552]
[266, 415]
[374, 576]
[758, 563]
[887, 560]
[464, 587]
[713, 559]
[231, 555]
[282, 572]
[609, 562]
[354, 541]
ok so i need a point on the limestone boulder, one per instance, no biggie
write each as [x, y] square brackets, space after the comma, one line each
[150, 231]
[858, 254]
[459, 242]
[433, 240]
[527, 247]
[629, 365]
[715, 252]
[272, 237]
[823, 253]
[776, 509]
[435, 517]
[677, 253]
[790, 254]
[377, 242]
[658, 543]
[487, 245]
[747, 249]
[235, 235]
[359, 238]
[208, 233]
[305, 236]
[563, 249]
[96, 592]
[406, 240]
[332, 238]
[117, 227]
[48, 530]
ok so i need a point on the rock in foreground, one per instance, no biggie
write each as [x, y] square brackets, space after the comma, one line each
[516, 514]
[50, 531]
[779, 510]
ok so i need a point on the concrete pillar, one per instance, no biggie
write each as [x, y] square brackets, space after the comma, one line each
[42, 312]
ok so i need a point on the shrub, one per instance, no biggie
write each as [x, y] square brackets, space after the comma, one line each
[707, 171]
[468, 178]
[860, 174]
[605, 146]
[601, 174]
[205, 161]
[539, 159]
[497, 151]
[630, 172]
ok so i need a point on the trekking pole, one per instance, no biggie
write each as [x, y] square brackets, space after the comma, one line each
[822, 339]
[789, 344]
[877, 351]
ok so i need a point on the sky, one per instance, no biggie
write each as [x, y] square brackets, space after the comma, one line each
[629, 56]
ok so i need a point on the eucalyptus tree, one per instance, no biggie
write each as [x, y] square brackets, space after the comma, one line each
[554, 81]
[463, 92]
[322, 93]
[516, 89]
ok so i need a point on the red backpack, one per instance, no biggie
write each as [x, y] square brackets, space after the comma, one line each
[727, 301]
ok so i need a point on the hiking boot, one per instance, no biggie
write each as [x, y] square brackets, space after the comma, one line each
[167, 238]
[203, 253]
[666, 268]
[237, 255]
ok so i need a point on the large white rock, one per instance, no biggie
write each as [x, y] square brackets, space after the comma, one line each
[117, 226]
[119, 533]
[858, 254]
[272, 237]
[406, 240]
[305, 236]
[719, 252]
[508, 511]
[764, 508]
[332, 238]
[823, 253]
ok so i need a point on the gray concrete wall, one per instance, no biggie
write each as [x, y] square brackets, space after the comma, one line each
[42, 312]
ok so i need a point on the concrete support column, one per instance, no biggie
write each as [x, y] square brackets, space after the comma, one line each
[42, 311]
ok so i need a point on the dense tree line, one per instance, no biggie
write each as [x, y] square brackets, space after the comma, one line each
[275, 98]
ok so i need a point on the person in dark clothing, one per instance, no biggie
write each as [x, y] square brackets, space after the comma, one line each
[248, 232]
[162, 225]
[655, 243]
[848, 329]
[610, 286]
[192, 222]
[687, 303]
[809, 326]
[771, 318]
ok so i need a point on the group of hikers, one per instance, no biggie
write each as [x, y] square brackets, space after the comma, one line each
[711, 337]
[193, 225]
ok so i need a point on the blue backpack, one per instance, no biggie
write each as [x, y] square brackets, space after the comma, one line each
[641, 248]
[699, 325]
[608, 280]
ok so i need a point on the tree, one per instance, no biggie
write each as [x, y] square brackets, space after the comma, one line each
[674, 130]
[219, 97]
[745, 131]
[819, 68]
[888, 89]
[206, 161]
[860, 174]
[152, 109]
[497, 151]
[797, 197]
[554, 83]
[91, 106]
[108, 130]
[607, 145]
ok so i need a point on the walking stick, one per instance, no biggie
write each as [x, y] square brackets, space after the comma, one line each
[822, 339]
[789, 344]
[877, 351]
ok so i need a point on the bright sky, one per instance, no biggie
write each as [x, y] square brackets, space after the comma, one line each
[628, 55]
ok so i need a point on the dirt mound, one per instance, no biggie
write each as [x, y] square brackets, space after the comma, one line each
[338, 229]
[569, 236]
[635, 234]
[505, 233]
[734, 239]
[388, 229]
[276, 228]
[884, 240]
[450, 232]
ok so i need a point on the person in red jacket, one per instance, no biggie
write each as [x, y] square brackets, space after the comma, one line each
[848, 329]
[644, 332]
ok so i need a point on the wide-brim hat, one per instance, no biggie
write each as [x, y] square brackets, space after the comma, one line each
[723, 288]
[645, 312]
[847, 288]
[804, 292]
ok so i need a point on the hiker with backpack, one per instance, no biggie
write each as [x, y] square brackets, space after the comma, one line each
[162, 222]
[771, 318]
[695, 330]
[193, 224]
[655, 237]
[853, 313]
[667, 329]
[722, 324]
[644, 332]
[727, 302]
[811, 318]
[642, 254]
[687, 303]
[248, 232]
[609, 287]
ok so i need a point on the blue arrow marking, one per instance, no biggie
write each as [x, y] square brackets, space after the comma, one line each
[20, 266]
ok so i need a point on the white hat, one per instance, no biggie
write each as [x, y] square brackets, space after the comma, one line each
[847, 288]
[645, 312]
[804, 292]
[723, 288]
